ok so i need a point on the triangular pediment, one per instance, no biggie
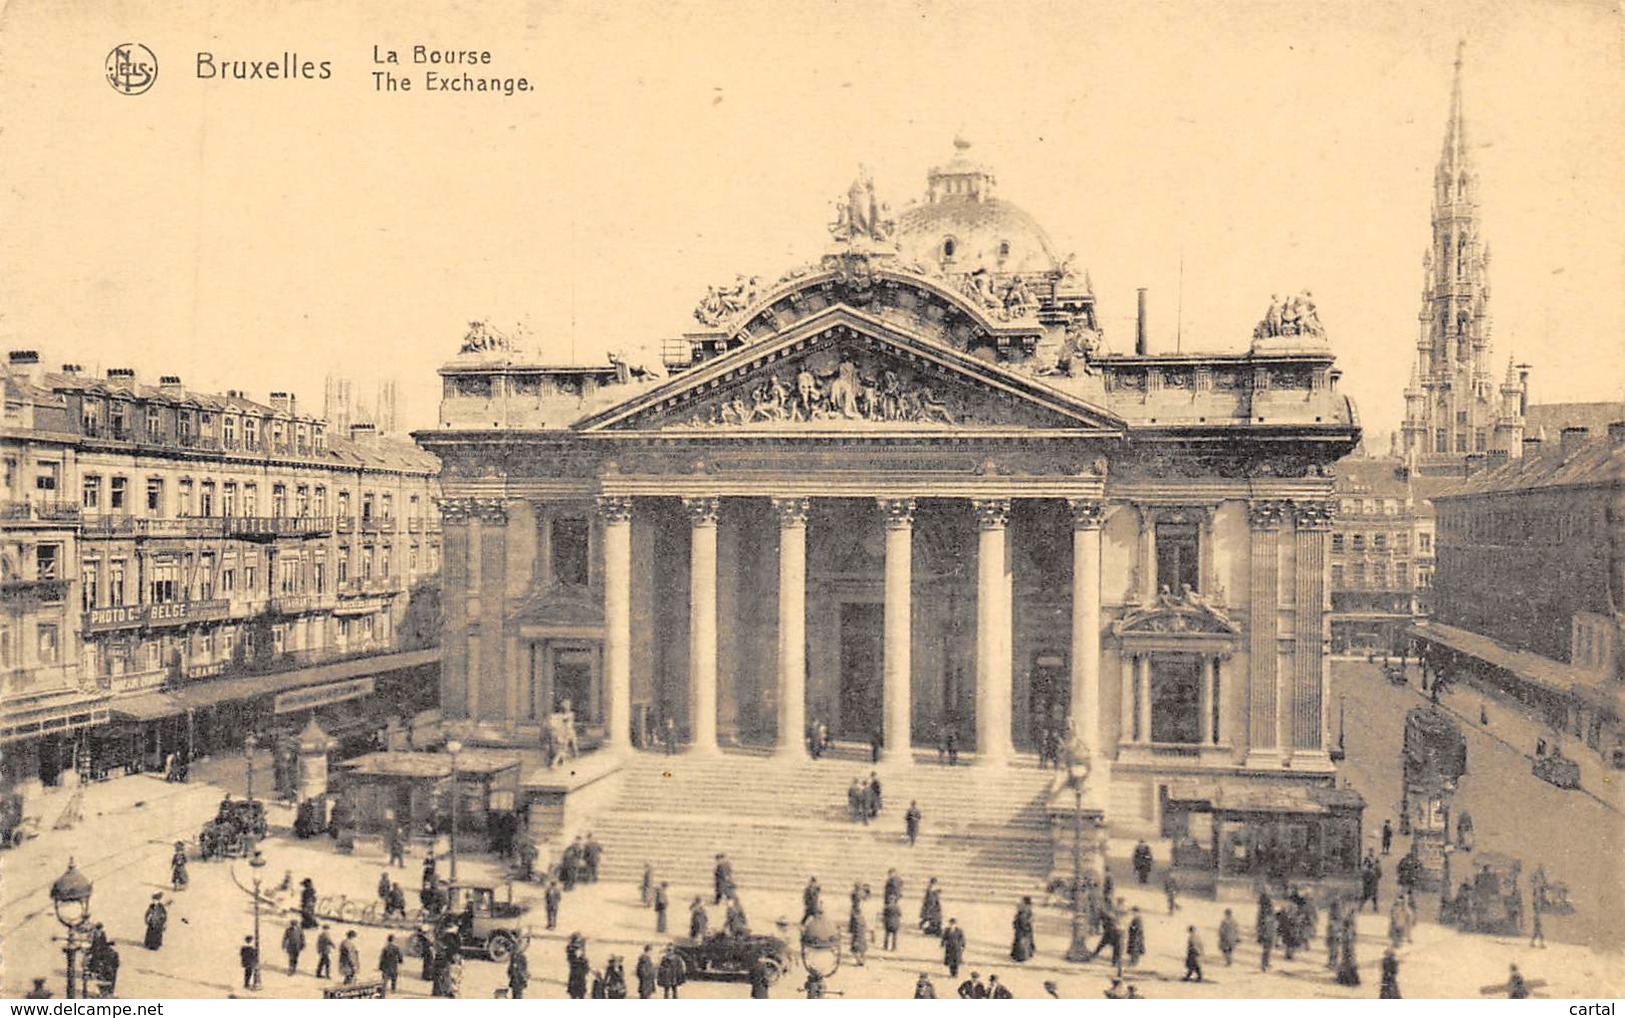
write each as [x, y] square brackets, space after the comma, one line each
[1174, 614]
[843, 371]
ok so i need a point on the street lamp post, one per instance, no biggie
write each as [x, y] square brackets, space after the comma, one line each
[70, 898]
[1077, 776]
[258, 864]
[454, 747]
[249, 745]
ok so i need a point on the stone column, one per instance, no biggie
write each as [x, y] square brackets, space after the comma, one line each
[1265, 518]
[896, 661]
[792, 627]
[1127, 717]
[702, 628]
[1087, 516]
[1142, 677]
[993, 645]
[1204, 720]
[1312, 522]
[1146, 570]
[616, 514]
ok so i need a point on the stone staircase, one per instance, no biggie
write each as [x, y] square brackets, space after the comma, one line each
[984, 833]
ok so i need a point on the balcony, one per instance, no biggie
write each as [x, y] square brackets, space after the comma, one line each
[299, 604]
[378, 525]
[371, 586]
[346, 524]
[269, 528]
[22, 593]
[112, 525]
[39, 681]
[39, 512]
[414, 526]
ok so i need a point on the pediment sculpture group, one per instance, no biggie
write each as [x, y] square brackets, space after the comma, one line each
[846, 393]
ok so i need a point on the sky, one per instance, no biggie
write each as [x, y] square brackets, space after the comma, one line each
[260, 235]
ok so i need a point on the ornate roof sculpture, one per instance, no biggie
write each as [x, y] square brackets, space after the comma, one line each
[1185, 614]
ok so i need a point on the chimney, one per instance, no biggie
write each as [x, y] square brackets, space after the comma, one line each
[1140, 346]
[1498, 458]
[1616, 434]
[26, 364]
[362, 433]
[1571, 440]
[124, 375]
[1475, 463]
[170, 385]
[282, 402]
[71, 369]
[1531, 447]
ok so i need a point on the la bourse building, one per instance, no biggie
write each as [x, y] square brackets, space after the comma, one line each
[901, 492]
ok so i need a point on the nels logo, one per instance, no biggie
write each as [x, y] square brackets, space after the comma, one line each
[131, 68]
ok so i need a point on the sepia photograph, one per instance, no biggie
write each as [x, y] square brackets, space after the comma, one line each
[914, 499]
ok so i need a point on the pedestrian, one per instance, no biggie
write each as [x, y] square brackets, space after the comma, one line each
[324, 954]
[893, 890]
[107, 969]
[249, 957]
[1398, 918]
[570, 864]
[1021, 926]
[1390, 977]
[430, 952]
[1229, 936]
[1371, 881]
[397, 901]
[810, 905]
[646, 890]
[874, 794]
[859, 929]
[854, 803]
[646, 973]
[550, 901]
[293, 942]
[997, 990]
[39, 992]
[591, 853]
[1334, 931]
[1266, 932]
[1142, 861]
[669, 974]
[429, 875]
[1111, 935]
[931, 910]
[1517, 987]
[307, 904]
[389, 963]
[614, 979]
[759, 980]
[527, 860]
[1348, 970]
[384, 884]
[953, 948]
[891, 919]
[1193, 955]
[1170, 889]
[1136, 938]
[814, 985]
[876, 741]
[911, 823]
[661, 904]
[177, 867]
[157, 920]
[953, 746]
[575, 957]
[518, 974]
[349, 958]
[733, 922]
[1537, 908]
[1484, 714]
[923, 990]
[722, 879]
[1387, 836]
[698, 921]
[397, 846]
[972, 988]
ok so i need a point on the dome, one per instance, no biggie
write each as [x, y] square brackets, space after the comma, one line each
[961, 227]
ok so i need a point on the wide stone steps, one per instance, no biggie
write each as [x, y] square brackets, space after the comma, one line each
[984, 833]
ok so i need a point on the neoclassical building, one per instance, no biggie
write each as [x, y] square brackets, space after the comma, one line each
[905, 491]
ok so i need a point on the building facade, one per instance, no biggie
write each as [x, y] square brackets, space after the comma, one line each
[902, 493]
[174, 544]
[1454, 408]
[1382, 557]
[1531, 580]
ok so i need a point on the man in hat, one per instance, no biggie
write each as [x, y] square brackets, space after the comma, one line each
[723, 879]
[324, 953]
[698, 921]
[923, 990]
[249, 957]
[591, 853]
[646, 973]
[389, 963]
[911, 823]
[293, 942]
[551, 901]
[662, 902]
[518, 974]
[157, 920]
[349, 958]
[670, 974]
[997, 990]
[972, 988]
[1193, 955]
[953, 948]
[39, 992]
[810, 899]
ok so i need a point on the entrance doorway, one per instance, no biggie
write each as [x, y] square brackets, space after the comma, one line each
[862, 647]
[1176, 693]
[572, 681]
[1049, 698]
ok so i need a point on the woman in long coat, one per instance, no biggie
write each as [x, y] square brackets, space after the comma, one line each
[1021, 943]
[931, 910]
[307, 904]
[157, 920]
[177, 867]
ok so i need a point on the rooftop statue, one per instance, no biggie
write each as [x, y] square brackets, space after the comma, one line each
[859, 216]
[1296, 316]
[721, 303]
[483, 337]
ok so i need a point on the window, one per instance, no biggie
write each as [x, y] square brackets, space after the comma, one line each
[1337, 577]
[205, 502]
[366, 506]
[289, 582]
[1359, 542]
[118, 419]
[389, 506]
[1441, 441]
[251, 434]
[251, 579]
[1359, 575]
[1390, 506]
[228, 431]
[116, 493]
[1379, 575]
[1402, 542]
[155, 496]
[302, 499]
[91, 413]
[1461, 418]
[383, 563]
[251, 496]
[1337, 544]
[320, 506]
[279, 435]
[1177, 566]
[1402, 575]
[115, 583]
[154, 423]
[92, 498]
[49, 476]
[1424, 543]
[163, 588]
[50, 643]
[1461, 443]
[320, 576]
[183, 492]
[46, 561]
[1176, 697]
[279, 500]
[1379, 543]
[87, 584]
[205, 577]
[344, 566]
[412, 509]
[228, 499]
[569, 545]
[366, 563]
[228, 581]
[188, 435]
[344, 504]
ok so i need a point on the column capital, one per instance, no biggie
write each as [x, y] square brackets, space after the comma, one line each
[899, 512]
[792, 510]
[1087, 513]
[1268, 513]
[1315, 515]
[455, 512]
[489, 510]
[615, 508]
[991, 513]
[702, 510]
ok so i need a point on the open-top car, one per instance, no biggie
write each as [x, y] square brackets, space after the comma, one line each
[483, 925]
[721, 956]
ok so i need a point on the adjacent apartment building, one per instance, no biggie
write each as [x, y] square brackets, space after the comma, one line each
[182, 567]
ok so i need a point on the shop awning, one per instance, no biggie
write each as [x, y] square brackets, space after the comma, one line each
[1229, 797]
[1554, 676]
[209, 692]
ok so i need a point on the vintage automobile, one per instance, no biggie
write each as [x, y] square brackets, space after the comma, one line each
[482, 925]
[236, 825]
[1553, 767]
[721, 956]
